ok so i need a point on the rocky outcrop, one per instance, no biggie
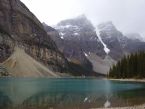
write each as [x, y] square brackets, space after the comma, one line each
[6, 46]
[81, 31]
[134, 43]
[111, 37]
[76, 38]
[20, 64]
[118, 43]
[3, 71]
[19, 27]
[93, 48]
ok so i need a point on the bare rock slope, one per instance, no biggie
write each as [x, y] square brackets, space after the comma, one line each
[19, 27]
[20, 64]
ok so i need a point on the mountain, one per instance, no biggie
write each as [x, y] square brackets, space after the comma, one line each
[77, 39]
[82, 32]
[112, 39]
[95, 48]
[20, 64]
[20, 28]
[118, 43]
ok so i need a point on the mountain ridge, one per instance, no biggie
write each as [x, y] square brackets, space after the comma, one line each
[19, 27]
[103, 41]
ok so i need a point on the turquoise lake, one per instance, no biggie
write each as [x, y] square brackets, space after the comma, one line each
[68, 93]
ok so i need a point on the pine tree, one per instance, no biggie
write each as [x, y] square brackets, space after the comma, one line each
[132, 66]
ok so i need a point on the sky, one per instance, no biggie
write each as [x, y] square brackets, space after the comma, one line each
[127, 15]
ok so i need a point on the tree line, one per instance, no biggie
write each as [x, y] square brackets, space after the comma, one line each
[131, 66]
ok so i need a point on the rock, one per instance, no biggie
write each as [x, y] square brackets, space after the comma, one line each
[75, 38]
[19, 27]
[81, 32]
[79, 40]
[118, 43]
[3, 71]
[110, 36]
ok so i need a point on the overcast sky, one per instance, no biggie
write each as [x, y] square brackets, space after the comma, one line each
[127, 15]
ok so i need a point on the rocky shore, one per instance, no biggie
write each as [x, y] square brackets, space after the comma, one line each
[129, 80]
[131, 107]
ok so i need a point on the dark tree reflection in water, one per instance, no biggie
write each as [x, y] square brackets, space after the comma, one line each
[68, 93]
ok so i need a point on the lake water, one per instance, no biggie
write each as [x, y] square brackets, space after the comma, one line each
[68, 93]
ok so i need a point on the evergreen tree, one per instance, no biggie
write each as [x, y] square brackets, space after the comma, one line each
[132, 66]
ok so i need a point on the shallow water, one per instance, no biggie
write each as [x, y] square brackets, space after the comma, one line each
[67, 93]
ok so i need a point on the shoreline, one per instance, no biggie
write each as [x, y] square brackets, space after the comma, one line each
[142, 106]
[67, 77]
[128, 80]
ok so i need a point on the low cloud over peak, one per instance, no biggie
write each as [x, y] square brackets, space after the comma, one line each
[127, 15]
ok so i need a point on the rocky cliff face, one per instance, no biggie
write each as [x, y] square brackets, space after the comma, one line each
[118, 43]
[111, 37]
[81, 32]
[19, 27]
[134, 43]
[77, 38]
[98, 47]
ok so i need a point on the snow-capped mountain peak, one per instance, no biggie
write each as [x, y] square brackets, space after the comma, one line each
[107, 26]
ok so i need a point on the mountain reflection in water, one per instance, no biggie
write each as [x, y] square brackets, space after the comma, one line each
[67, 93]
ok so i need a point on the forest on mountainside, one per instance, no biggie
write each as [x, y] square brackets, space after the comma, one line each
[131, 66]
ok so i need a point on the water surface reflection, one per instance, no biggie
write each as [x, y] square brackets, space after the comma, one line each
[68, 93]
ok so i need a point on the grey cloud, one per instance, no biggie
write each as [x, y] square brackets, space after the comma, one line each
[127, 15]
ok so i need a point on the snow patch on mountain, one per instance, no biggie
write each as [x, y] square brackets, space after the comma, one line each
[76, 34]
[58, 27]
[106, 49]
[62, 37]
[85, 54]
[61, 34]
